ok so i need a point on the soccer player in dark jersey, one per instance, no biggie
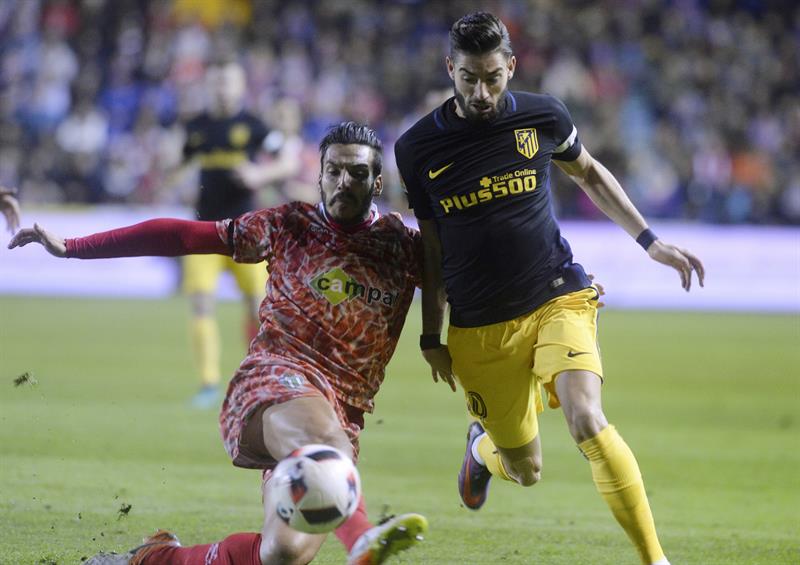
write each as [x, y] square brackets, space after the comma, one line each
[225, 141]
[9, 207]
[342, 280]
[522, 313]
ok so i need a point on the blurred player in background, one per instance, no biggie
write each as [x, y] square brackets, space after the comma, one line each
[342, 280]
[226, 142]
[522, 314]
[9, 207]
[286, 117]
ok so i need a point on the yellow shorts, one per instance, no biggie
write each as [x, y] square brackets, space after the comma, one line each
[503, 366]
[201, 274]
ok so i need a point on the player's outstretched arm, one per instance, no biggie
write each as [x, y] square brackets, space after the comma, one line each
[607, 194]
[9, 206]
[160, 238]
[288, 164]
[433, 306]
[54, 244]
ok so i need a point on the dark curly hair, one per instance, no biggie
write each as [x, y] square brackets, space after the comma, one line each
[478, 33]
[347, 133]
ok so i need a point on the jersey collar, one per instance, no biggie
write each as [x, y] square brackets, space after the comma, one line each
[374, 215]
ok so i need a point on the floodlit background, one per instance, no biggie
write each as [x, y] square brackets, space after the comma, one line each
[693, 104]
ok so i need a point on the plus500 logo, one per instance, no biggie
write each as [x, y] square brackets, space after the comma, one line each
[492, 188]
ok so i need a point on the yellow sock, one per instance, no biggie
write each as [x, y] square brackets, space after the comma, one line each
[205, 341]
[492, 459]
[618, 480]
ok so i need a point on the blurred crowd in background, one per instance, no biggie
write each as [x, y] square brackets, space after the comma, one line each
[693, 104]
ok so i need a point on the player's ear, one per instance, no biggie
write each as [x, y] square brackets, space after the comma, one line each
[451, 68]
[512, 64]
[378, 186]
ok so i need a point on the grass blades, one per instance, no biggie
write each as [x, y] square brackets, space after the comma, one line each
[100, 446]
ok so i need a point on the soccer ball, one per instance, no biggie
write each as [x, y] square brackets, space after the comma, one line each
[317, 488]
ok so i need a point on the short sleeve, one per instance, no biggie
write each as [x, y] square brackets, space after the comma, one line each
[565, 134]
[417, 198]
[251, 235]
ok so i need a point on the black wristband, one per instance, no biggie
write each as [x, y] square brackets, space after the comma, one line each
[429, 341]
[646, 239]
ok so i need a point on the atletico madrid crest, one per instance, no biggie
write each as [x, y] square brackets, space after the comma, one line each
[527, 142]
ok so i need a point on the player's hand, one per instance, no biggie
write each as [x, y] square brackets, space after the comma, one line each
[54, 244]
[9, 206]
[441, 365]
[679, 259]
[600, 290]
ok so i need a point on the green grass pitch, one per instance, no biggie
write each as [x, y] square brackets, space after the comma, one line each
[710, 404]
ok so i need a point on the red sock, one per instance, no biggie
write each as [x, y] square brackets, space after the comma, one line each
[356, 525]
[236, 549]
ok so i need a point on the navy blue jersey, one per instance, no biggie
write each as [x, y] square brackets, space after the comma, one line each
[488, 189]
[221, 144]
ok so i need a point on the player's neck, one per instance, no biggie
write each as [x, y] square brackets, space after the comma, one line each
[502, 105]
[458, 110]
[220, 112]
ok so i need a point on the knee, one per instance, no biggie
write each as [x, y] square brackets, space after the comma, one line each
[335, 437]
[527, 472]
[529, 478]
[585, 423]
[302, 421]
[331, 434]
[202, 305]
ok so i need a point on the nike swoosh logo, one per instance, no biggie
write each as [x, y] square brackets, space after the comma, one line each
[433, 174]
[575, 354]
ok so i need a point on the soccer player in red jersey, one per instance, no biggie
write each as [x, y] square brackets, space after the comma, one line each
[523, 315]
[342, 277]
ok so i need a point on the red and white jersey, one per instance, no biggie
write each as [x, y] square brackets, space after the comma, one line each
[335, 301]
